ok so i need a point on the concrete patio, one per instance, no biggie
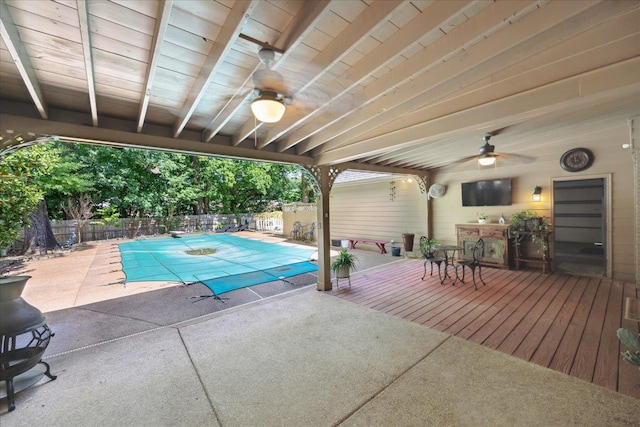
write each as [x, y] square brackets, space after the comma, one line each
[293, 358]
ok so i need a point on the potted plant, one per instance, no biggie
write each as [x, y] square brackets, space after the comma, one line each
[343, 264]
[632, 341]
[482, 218]
[427, 247]
[528, 220]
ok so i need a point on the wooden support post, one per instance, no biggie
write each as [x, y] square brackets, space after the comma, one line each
[324, 239]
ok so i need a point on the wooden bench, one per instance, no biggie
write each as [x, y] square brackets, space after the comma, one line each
[379, 243]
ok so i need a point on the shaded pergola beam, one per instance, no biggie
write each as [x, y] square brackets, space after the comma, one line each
[233, 26]
[20, 57]
[162, 22]
[85, 37]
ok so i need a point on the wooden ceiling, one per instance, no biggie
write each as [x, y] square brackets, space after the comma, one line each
[377, 85]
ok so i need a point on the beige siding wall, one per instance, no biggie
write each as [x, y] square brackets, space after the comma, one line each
[377, 210]
[603, 137]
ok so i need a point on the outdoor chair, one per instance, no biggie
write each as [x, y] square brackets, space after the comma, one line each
[472, 264]
[429, 257]
[309, 234]
[225, 228]
[297, 229]
[241, 227]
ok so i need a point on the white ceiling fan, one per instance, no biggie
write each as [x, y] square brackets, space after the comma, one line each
[269, 98]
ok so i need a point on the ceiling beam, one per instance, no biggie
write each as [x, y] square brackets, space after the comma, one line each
[614, 41]
[115, 137]
[20, 57]
[496, 15]
[627, 48]
[375, 168]
[162, 22]
[580, 33]
[234, 23]
[503, 48]
[85, 36]
[593, 87]
[372, 18]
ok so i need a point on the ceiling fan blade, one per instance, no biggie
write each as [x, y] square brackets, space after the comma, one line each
[517, 157]
[269, 80]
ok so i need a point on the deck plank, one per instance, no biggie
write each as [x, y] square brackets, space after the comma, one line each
[609, 349]
[551, 341]
[470, 322]
[565, 353]
[585, 358]
[490, 326]
[511, 290]
[537, 333]
[560, 321]
[468, 312]
[523, 322]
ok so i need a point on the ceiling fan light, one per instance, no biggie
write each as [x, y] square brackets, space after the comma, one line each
[268, 108]
[486, 160]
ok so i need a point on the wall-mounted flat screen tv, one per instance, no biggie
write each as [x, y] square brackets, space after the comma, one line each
[495, 192]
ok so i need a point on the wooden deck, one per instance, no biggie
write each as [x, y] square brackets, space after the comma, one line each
[563, 322]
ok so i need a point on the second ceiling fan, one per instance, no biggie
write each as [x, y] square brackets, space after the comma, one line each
[487, 154]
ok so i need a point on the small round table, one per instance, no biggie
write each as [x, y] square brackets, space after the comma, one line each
[449, 252]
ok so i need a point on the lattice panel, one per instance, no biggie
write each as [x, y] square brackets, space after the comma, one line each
[315, 173]
[422, 183]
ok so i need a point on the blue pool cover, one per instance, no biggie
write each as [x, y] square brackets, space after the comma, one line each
[237, 262]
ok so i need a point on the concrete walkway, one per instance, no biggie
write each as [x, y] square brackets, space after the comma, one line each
[299, 358]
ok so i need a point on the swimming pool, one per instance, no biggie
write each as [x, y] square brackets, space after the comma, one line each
[237, 262]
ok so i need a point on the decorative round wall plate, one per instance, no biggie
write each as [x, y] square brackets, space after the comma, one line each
[576, 160]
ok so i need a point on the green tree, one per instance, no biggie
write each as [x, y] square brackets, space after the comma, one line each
[68, 181]
[21, 174]
[238, 186]
[152, 183]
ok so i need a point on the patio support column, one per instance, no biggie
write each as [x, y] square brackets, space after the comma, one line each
[324, 240]
[634, 124]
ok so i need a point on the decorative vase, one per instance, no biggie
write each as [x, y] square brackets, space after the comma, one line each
[395, 251]
[407, 241]
[24, 334]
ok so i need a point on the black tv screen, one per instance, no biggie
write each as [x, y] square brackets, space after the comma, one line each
[495, 192]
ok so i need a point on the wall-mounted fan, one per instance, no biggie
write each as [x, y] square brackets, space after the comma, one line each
[436, 190]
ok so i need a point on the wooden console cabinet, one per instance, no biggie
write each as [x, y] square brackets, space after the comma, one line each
[497, 250]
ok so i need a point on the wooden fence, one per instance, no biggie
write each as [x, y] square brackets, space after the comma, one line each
[66, 232]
